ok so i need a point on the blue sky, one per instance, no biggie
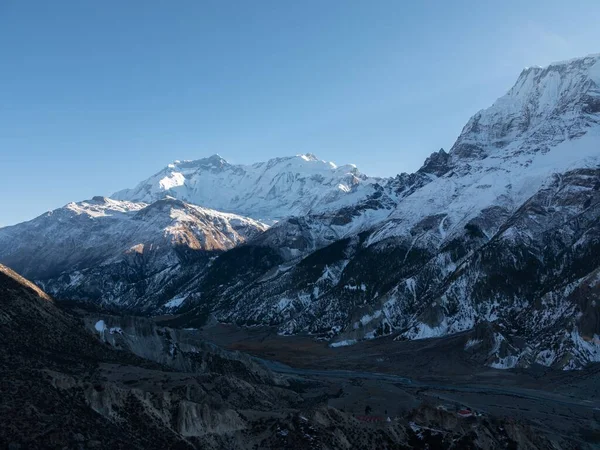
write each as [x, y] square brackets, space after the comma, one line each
[97, 95]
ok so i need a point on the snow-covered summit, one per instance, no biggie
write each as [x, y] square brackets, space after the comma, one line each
[546, 124]
[270, 190]
[213, 162]
[102, 231]
[546, 106]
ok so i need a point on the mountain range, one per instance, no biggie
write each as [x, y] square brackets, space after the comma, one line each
[498, 238]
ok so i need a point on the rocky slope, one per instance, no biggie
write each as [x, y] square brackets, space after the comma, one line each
[121, 253]
[63, 387]
[43, 352]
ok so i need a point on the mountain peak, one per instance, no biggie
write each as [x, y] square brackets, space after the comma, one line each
[567, 62]
[308, 157]
[587, 67]
[215, 162]
[216, 158]
[266, 191]
[437, 163]
[546, 106]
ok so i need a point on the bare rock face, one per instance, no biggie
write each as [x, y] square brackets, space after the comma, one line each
[437, 164]
[47, 363]
[181, 349]
[194, 419]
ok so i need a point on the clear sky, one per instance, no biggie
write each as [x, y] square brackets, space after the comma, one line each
[97, 95]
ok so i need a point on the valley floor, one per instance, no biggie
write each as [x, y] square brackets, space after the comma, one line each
[394, 377]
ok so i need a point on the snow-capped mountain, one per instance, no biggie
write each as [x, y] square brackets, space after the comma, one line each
[497, 238]
[121, 252]
[502, 229]
[266, 191]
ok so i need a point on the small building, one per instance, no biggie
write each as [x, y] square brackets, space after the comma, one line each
[464, 413]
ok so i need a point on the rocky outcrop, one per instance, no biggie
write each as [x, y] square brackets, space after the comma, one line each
[180, 349]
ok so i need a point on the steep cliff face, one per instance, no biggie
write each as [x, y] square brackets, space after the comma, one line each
[181, 349]
[546, 106]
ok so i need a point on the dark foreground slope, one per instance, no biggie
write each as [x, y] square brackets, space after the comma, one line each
[49, 370]
[61, 386]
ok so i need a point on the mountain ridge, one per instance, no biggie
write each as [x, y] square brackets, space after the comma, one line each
[267, 191]
[405, 273]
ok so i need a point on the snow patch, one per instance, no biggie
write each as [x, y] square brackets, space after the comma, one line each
[508, 362]
[174, 302]
[472, 343]
[345, 343]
